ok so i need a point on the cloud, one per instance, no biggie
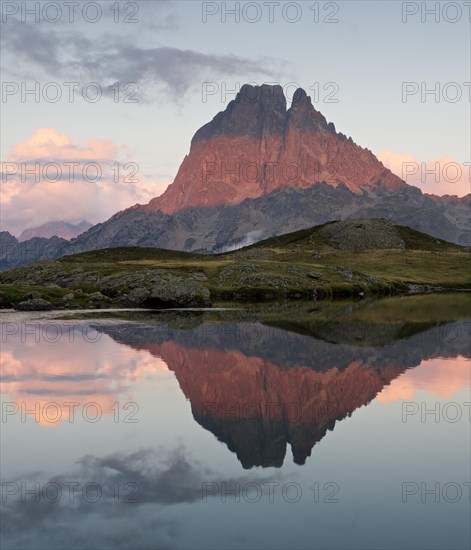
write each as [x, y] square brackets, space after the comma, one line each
[49, 143]
[34, 376]
[442, 176]
[251, 238]
[144, 477]
[49, 177]
[73, 56]
[149, 478]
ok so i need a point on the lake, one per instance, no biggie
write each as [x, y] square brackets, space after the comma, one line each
[328, 425]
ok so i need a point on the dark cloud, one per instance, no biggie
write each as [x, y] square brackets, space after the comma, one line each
[32, 44]
[110, 58]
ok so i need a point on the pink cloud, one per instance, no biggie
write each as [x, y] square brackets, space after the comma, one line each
[442, 176]
[40, 183]
[49, 143]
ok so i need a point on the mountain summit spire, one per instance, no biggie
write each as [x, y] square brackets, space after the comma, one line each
[254, 111]
[303, 115]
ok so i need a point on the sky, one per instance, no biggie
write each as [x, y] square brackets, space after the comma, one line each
[100, 100]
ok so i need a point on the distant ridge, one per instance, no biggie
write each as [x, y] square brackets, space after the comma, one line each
[61, 229]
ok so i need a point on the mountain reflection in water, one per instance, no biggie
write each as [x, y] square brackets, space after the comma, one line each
[257, 387]
[254, 380]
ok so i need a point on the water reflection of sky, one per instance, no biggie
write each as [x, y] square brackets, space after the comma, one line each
[170, 456]
[445, 378]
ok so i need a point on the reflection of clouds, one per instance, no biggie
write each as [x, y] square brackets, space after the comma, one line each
[162, 478]
[439, 377]
[37, 374]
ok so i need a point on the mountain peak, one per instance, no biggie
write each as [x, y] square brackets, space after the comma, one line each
[300, 97]
[266, 93]
[256, 111]
[302, 114]
[257, 145]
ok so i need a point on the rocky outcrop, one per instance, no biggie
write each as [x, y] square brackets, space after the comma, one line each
[151, 288]
[34, 304]
[365, 234]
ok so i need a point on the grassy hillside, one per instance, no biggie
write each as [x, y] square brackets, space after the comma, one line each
[337, 259]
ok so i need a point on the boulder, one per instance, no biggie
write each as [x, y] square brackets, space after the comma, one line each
[34, 304]
[138, 295]
[98, 296]
[4, 300]
[178, 292]
[32, 295]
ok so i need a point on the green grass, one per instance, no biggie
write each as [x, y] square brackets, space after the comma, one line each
[447, 269]
[13, 294]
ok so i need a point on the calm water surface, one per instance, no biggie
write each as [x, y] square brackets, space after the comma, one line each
[321, 426]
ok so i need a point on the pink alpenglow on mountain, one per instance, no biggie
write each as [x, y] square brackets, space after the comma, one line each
[257, 145]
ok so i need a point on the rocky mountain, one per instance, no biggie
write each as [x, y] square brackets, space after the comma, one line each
[257, 170]
[228, 227]
[61, 229]
[225, 227]
[13, 253]
[257, 146]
